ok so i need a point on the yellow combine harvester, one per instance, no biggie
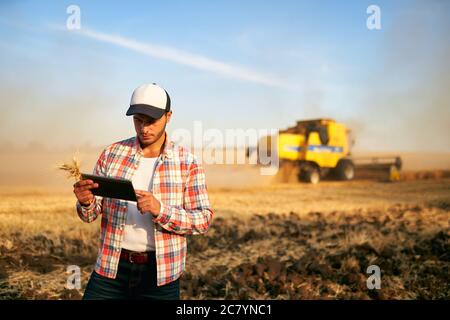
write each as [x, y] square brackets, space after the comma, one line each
[321, 147]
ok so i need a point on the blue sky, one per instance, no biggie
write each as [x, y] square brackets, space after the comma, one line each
[311, 59]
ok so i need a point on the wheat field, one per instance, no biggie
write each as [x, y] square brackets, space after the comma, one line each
[282, 241]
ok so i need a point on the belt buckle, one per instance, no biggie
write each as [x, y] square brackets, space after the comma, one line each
[130, 256]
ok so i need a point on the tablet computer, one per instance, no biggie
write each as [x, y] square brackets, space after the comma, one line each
[112, 187]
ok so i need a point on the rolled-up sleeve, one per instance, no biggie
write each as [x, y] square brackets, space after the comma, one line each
[90, 213]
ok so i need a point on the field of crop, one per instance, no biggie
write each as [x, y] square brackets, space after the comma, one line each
[270, 242]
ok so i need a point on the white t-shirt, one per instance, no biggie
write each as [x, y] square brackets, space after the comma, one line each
[139, 230]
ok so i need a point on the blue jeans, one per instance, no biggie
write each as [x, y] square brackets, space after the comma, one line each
[133, 281]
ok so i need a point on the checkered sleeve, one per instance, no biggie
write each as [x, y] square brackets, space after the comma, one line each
[90, 213]
[196, 214]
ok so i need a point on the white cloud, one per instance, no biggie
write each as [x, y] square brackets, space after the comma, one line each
[186, 58]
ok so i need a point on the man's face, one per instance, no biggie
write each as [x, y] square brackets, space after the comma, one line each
[149, 130]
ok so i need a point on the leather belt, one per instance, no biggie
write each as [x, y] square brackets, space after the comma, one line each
[135, 257]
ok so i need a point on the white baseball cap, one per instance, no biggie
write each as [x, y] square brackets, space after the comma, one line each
[149, 99]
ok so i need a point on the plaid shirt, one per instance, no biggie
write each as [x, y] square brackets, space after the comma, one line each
[178, 183]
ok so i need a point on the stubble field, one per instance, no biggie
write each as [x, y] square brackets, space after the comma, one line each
[283, 241]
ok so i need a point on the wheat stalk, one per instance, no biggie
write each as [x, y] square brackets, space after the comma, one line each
[72, 169]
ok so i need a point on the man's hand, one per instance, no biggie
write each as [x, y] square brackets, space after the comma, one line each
[147, 203]
[82, 190]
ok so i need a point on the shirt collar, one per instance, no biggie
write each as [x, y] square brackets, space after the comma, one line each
[167, 148]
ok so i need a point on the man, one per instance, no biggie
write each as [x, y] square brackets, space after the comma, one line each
[142, 249]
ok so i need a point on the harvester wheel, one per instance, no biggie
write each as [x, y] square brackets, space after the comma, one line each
[311, 175]
[345, 170]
